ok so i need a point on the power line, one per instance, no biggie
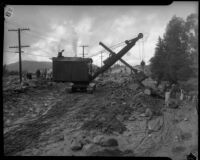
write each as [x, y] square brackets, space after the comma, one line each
[38, 55]
[27, 53]
[38, 34]
[13, 24]
[112, 47]
[9, 51]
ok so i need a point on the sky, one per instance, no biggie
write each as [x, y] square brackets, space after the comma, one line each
[53, 28]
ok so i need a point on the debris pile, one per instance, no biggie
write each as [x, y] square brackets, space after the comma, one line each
[118, 119]
[20, 104]
[122, 102]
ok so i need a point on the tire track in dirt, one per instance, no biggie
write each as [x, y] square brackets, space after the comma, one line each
[27, 135]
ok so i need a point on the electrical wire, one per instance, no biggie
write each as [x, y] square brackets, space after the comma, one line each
[143, 52]
[37, 55]
[26, 53]
[139, 50]
[33, 32]
[36, 34]
[112, 47]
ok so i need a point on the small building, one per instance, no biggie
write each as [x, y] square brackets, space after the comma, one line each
[72, 69]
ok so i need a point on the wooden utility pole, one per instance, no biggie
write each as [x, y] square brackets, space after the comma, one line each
[19, 46]
[101, 61]
[83, 46]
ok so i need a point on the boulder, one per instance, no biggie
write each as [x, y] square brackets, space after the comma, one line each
[147, 91]
[76, 145]
[113, 103]
[109, 143]
[134, 86]
[105, 141]
[155, 124]
[148, 113]
[98, 139]
[132, 118]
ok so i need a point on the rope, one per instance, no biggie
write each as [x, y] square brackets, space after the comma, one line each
[143, 49]
[139, 46]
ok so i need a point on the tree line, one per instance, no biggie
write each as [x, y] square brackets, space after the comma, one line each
[176, 54]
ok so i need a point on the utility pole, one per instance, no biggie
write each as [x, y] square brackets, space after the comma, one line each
[83, 46]
[19, 46]
[101, 59]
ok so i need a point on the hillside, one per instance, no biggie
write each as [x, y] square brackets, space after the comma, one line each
[30, 66]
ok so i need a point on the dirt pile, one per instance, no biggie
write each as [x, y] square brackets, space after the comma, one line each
[29, 103]
[121, 102]
[118, 119]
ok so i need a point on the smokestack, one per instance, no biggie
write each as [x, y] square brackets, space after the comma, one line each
[74, 45]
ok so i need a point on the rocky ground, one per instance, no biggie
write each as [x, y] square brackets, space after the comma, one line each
[118, 119]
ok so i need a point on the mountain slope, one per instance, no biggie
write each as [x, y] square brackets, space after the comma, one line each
[30, 66]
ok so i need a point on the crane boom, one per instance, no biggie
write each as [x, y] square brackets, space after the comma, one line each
[113, 53]
[115, 57]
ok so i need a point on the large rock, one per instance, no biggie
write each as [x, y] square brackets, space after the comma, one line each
[98, 139]
[76, 145]
[147, 91]
[109, 143]
[148, 113]
[155, 124]
[134, 86]
[105, 141]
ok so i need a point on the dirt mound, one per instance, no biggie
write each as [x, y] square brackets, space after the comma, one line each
[105, 124]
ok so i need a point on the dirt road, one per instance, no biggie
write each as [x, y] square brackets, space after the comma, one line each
[111, 121]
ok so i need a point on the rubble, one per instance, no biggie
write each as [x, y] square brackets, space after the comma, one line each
[111, 142]
[155, 124]
[76, 145]
[119, 119]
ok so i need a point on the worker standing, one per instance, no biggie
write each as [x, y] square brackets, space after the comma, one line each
[38, 73]
[182, 94]
[167, 97]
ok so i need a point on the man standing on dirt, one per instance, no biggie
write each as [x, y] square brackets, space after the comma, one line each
[167, 97]
[182, 94]
[38, 73]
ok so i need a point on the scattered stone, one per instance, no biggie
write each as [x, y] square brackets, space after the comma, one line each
[120, 118]
[147, 91]
[148, 112]
[113, 103]
[76, 145]
[132, 118]
[155, 124]
[134, 86]
[109, 142]
[98, 139]
[142, 115]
